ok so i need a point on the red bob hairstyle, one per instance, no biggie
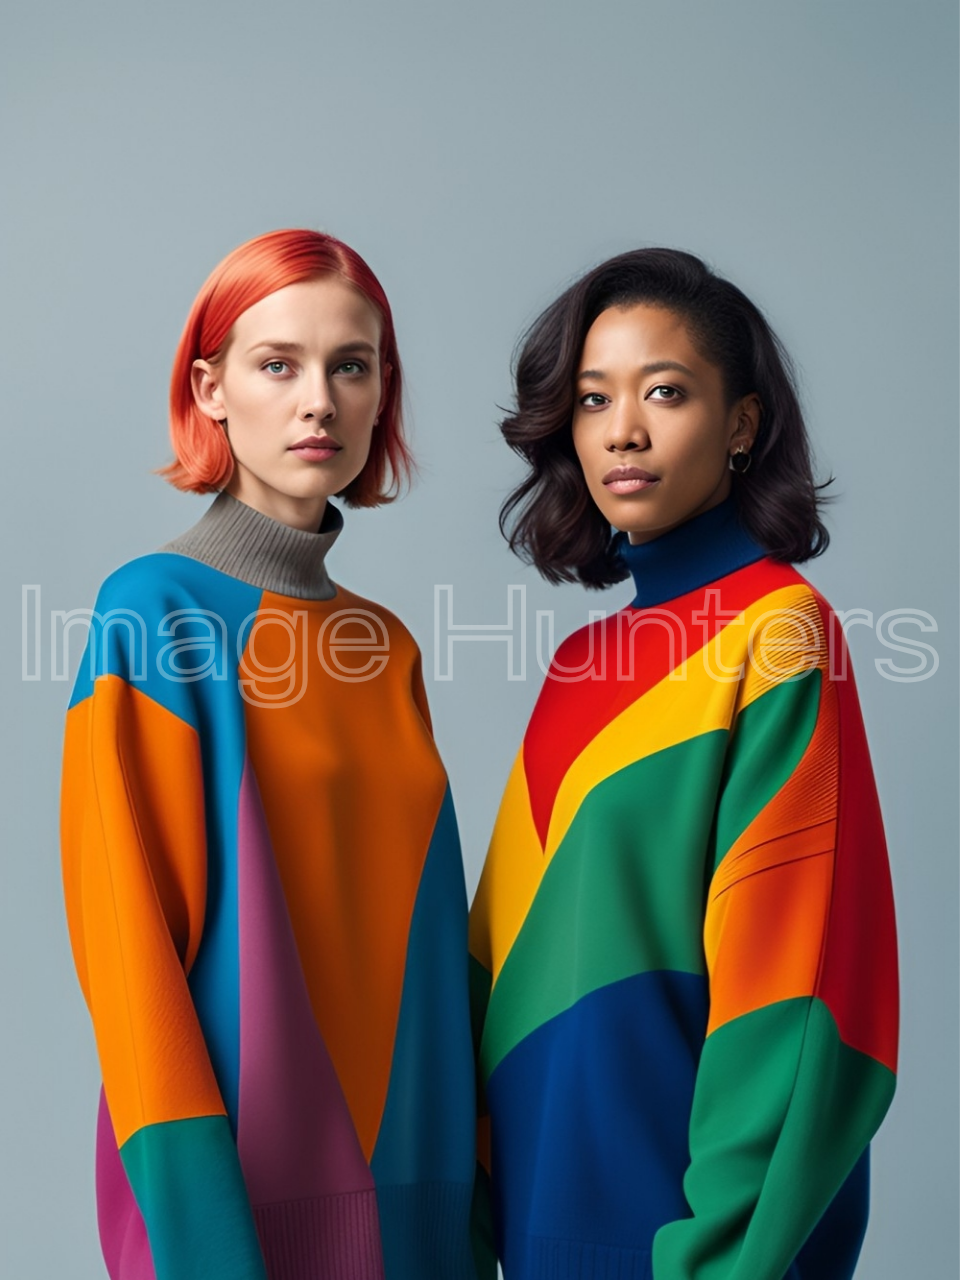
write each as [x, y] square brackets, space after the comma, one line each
[204, 462]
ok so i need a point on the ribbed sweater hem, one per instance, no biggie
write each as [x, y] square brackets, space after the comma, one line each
[417, 1229]
[549, 1258]
[337, 1237]
[426, 1230]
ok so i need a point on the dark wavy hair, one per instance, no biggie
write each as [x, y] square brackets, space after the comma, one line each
[551, 521]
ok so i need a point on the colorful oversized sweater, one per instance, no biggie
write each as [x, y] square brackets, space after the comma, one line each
[685, 965]
[267, 909]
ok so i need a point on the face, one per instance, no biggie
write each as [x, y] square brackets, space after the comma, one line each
[300, 387]
[651, 425]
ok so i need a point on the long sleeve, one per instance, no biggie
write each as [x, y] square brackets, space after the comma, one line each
[133, 848]
[797, 1070]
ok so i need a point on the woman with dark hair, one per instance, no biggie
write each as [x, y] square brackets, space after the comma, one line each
[262, 870]
[683, 939]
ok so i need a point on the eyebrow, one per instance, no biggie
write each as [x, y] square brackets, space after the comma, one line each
[658, 366]
[296, 347]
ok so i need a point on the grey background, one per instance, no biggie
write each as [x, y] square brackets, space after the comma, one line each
[479, 156]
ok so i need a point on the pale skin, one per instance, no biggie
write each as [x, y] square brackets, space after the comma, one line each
[298, 389]
[648, 401]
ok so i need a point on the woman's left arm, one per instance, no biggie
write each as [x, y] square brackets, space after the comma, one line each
[798, 1067]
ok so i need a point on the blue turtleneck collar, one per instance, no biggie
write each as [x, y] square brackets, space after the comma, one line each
[699, 551]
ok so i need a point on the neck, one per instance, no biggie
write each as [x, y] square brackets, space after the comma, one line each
[299, 513]
[702, 549]
[261, 550]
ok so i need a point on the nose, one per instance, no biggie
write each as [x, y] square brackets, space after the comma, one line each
[316, 401]
[625, 429]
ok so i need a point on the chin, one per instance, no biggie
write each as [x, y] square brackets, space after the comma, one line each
[649, 524]
[311, 487]
[651, 527]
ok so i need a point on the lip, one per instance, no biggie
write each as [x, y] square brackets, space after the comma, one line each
[625, 480]
[315, 448]
[316, 442]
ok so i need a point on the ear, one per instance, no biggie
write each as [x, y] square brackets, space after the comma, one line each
[205, 385]
[746, 416]
[386, 373]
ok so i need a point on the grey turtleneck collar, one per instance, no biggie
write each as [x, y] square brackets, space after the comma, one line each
[243, 542]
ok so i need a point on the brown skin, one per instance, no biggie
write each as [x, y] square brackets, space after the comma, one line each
[673, 423]
[301, 364]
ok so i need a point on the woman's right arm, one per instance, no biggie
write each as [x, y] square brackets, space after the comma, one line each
[134, 866]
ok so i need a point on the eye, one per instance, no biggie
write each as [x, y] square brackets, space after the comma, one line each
[671, 393]
[276, 366]
[352, 368]
[593, 400]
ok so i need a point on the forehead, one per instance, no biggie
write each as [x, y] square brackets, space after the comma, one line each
[326, 308]
[639, 334]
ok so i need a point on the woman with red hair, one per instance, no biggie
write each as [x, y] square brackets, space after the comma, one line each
[261, 863]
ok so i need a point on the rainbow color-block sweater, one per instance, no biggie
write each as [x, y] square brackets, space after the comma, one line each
[267, 909]
[684, 943]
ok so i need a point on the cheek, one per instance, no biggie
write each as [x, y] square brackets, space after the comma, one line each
[701, 444]
[588, 465]
[580, 438]
[240, 395]
[358, 399]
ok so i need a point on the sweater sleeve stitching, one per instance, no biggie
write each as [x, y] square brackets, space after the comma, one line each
[760, 871]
